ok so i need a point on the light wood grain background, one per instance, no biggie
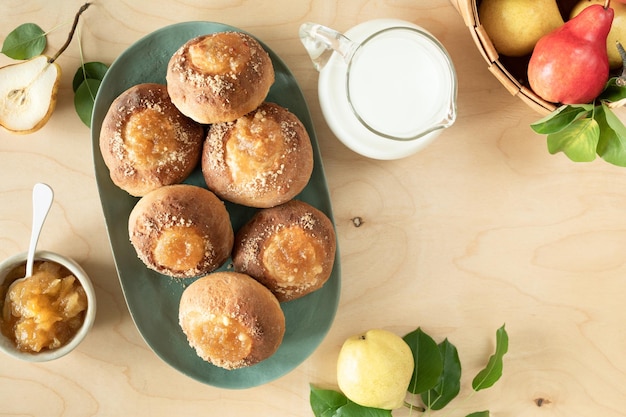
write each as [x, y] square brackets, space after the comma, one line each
[482, 228]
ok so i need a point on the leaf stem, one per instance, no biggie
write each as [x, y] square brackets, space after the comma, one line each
[54, 29]
[71, 34]
[460, 403]
[412, 407]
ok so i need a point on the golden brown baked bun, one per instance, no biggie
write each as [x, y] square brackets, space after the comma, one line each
[181, 230]
[219, 77]
[289, 248]
[146, 142]
[262, 159]
[231, 320]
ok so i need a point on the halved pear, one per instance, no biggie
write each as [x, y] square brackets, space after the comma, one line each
[28, 94]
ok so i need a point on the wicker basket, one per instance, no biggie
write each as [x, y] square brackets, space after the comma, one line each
[511, 72]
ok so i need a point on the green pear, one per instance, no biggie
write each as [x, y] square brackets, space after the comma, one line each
[515, 26]
[28, 94]
[617, 32]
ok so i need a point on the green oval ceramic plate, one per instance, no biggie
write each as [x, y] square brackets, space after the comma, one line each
[153, 298]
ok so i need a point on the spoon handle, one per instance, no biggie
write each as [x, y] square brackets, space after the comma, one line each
[42, 201]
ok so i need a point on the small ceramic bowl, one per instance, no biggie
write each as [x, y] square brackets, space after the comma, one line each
[8, 346]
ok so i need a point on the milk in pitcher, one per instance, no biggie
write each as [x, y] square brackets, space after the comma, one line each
[387, 90]
[398, 83]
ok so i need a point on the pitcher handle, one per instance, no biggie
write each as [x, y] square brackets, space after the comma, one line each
[320, 42]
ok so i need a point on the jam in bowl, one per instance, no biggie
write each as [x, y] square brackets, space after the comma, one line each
[48, 314]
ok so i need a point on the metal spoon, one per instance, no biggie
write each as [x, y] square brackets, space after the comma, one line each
[42, 201]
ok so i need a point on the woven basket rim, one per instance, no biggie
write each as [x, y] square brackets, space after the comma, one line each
[469, 11]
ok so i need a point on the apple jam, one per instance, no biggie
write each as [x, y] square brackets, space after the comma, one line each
[44, 311]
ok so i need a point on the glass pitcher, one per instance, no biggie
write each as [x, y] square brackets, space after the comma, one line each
[387, 87]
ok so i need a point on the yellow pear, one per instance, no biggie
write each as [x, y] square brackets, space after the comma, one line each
[28, 94]
[618, 28]
[374, 369]
[515, 26]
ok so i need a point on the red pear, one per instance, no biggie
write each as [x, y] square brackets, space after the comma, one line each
[570, 64]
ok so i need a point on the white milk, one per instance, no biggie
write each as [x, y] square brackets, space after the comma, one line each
[399, 83]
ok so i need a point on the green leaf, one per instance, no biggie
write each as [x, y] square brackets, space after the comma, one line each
[330, 403]
[578, 140]
[493, 371]
[612, 143]
[90, 70]
[479, 414]
[24, 42]
[84, 99]
[449, 383]
[324, 400]
[560, 118]
[355, 410]
[428, 361]
[612, 92]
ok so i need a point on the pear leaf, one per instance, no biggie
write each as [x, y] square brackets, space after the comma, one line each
[479, 414]
[330, 403]
[582, 131]
[323, 400]
[84, 99]
[612, 143]
[613, 92]
[493, 371]
[428, 361]
[561, 118]
[449, 383]
[578, 140]
[89, 70]
[24, 42]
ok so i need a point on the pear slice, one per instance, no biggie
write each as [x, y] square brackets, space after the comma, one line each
[28, 94]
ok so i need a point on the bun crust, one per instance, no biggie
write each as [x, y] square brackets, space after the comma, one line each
[181, 230]
[146, 142]
[231, 320]
[262, 159]
[289, 248]
[219, 77]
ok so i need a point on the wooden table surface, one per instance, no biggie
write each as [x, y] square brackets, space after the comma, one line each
[482, 228]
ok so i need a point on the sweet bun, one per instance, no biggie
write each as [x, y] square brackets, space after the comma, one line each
[146, 142]
[289, 248]
[262, 159]
[231, 320]
[219, 77]
[181, 230]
